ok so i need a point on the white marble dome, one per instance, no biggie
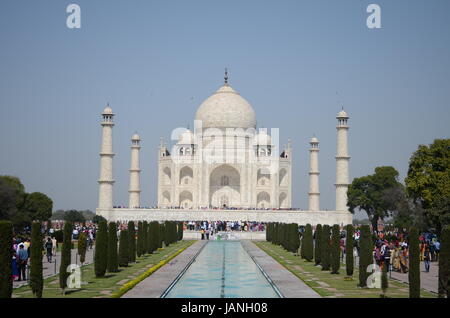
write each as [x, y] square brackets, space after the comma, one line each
[136, 137]
[107, 111]
[186, 138]
[262, 139]
[342, 114]
[226, 109]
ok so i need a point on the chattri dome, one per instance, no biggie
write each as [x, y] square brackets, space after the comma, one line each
[226, 109]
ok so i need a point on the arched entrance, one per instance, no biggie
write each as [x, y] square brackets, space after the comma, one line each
[224, 183]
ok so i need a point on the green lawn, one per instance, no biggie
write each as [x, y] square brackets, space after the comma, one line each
[104, 287]
[328, 285]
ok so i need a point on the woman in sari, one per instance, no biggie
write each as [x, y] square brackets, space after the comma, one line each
[15, 268]
[404, 259]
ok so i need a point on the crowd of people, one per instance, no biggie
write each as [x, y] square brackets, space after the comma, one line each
[391, 249]
[211, 207]
[21, 251]
[227, 226]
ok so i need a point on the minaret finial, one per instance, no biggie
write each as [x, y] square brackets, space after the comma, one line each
[226, 76]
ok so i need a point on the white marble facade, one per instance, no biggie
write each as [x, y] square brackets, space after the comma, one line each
[225, 161]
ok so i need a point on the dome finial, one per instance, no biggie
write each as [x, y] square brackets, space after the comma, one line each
[226, 76]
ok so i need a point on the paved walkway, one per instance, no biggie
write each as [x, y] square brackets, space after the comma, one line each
[287, 283]
[51, 269]
[155, 285]
[428, 281]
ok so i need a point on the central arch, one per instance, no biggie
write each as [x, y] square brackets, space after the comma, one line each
[263, 200]
[185, 199]
[225, 187]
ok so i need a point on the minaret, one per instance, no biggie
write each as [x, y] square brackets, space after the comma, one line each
[134, 190]
[106, 182]
[314, 194]
[342, 158]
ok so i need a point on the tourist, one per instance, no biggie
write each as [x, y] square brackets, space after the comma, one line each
[22, 261]
[437, 247]
[54, 245]
[207, 234]
[427, 258]
[15, 268]
[49, 248]
[404, 259]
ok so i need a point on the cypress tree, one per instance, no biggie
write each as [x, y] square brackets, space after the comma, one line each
[309, 252]
[65, 255]
[349, 243]
[325, 248]
[82, 247]
[113, 263]
[303, 245]
[161, 234]
[167, 233]
[36, 276]
[144, 237]
[317, 244]
[296, 238]
[139, 240]
[151, 237]
[268, 232]
[132, 243]
[335, 250]
[365, 254]
[101, 249]
[6, 253]
[156, 235]
[123, 248]
[414, 264]
[180, 230]
[444, 263]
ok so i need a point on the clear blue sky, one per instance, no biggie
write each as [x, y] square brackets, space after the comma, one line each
[149, 58]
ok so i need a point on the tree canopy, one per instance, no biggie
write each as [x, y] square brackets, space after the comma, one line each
[428, 181]
[20, 207]
[74, 216]
[38, 206]
[368, 193]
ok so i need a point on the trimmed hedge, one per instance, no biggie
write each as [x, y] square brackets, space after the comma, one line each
[444, 263]
[123, 248]
[6, 253]
[335, 249]
[325, 248]
[101, 249]
[132, 242]
[36, 275]
[318, 244]
[113, 262]
[308, 240]
[139, 243]
[349, 244]
[65, 255]
[365, 254]
[414, 263]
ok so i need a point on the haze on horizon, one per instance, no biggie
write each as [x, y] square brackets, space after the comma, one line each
[155, 62]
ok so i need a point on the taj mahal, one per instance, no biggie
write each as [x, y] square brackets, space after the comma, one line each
[224, 169]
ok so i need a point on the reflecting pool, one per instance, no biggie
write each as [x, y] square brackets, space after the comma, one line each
[223, 269]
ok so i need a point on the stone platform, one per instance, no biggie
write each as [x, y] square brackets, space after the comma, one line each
[285, 216]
